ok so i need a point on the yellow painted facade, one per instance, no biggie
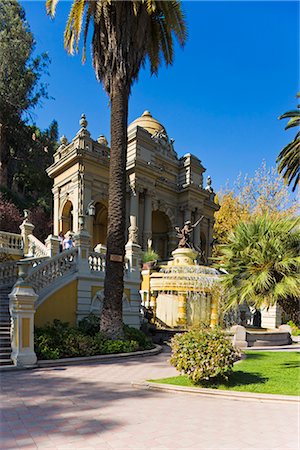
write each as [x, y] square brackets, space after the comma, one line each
[25, 332]
[61, 305]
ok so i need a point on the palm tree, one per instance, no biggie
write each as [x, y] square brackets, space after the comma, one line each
[289, 157]
[262, 263]
[125, 33]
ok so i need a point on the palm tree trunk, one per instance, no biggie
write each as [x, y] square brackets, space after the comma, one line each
[111, 322]
[3, 155]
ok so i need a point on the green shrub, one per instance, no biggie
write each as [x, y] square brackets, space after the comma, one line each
[203, 354]
[89, 325]
[60, 340]
[294, 327]
[132, 334]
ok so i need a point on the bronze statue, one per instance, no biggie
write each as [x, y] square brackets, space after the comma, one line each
[184, 234]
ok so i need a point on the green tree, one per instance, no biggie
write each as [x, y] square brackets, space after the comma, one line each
[124, 34]
[252, 196]
[20, 73]
[289, 158]
[262, 262]
[230, 214]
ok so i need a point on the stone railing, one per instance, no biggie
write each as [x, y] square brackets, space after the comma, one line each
[36, 247]
[49, 271]
[8, 273]
[11, 243]
[97, 262]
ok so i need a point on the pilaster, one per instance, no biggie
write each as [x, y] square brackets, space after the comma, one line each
[21, 306]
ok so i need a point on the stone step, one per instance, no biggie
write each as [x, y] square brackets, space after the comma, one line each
[6, 362]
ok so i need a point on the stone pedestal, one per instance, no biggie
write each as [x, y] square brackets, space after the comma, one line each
[271, 317]
[26, 228]
[52, 244]
[133, 257]
[184, 257]
[21, 306]
[239, 338]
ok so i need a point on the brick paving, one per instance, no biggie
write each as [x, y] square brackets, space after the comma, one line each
[93, 406]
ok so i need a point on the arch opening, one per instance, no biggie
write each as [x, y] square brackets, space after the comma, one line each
[161, 226]
[100, 225]
[67, 217]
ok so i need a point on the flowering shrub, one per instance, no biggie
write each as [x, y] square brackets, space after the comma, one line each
[203, 354]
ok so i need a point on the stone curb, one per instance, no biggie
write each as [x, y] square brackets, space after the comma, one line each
[86, 359]
[207, 392]
[96, 358]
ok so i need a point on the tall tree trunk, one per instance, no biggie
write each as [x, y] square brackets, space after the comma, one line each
[111, 322]
[3, 155]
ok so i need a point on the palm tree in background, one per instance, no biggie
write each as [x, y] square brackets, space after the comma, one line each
[262, 263]
[124, 34]
[289, 157]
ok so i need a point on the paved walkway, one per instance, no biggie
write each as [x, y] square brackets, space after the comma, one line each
[93, 406]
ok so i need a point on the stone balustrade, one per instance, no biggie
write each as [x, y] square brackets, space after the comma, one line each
[36, 247]
[11, 243]
[97, 262]
[8, 273]
[49, 271]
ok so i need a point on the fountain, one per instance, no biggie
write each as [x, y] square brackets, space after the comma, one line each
[183, 293]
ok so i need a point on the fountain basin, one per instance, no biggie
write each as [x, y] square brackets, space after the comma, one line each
[184, 293]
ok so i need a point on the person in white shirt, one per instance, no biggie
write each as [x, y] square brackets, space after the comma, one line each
[68, 242]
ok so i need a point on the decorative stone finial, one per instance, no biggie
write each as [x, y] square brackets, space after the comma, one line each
[63, 140]
[146, 113]
[83, 122]
[102, 140]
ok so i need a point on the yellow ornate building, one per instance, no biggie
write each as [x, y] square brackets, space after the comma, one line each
[162, 190]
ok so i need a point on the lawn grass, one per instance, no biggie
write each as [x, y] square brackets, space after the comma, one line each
[261, 372]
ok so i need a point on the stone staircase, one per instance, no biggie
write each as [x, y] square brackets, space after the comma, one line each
[5, 347]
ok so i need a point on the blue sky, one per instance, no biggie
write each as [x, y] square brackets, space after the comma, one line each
[220, 100]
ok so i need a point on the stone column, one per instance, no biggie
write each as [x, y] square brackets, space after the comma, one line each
[134, 208]
[147, 220]
[271, 317]
[21, 306]
[214, 309]
[182, 310]
[26, 228]
[187, 214]
[56, 201]
[173, 241]
[52, 244]
[153, 304]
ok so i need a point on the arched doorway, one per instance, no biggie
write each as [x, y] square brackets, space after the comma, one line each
[160, 233]
[67, 217]
[100, 225]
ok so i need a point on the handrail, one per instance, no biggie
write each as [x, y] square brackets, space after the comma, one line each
[36, 247]
[47, 272]
[12, 241]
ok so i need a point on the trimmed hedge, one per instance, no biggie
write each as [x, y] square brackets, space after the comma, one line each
[60, 340]
[203, 354]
